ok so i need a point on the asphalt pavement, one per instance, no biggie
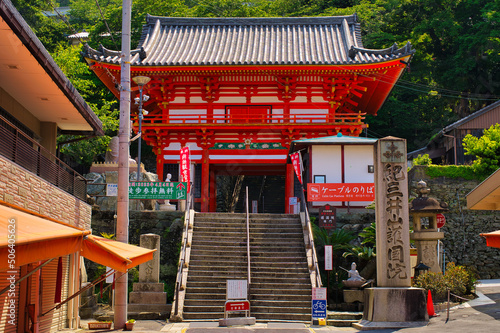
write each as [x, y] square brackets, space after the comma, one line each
[479, 315]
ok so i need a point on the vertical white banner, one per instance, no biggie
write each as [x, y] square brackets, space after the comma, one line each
[328, 257]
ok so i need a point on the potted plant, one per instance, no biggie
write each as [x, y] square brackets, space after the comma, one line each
[99, 325]
[129, 325]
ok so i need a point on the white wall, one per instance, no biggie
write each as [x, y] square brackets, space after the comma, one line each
[357, 159]
[327, 160]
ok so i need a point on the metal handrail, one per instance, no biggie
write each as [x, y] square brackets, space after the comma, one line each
[311, 243]
[248, 236]
[182, 257]
[21, 149]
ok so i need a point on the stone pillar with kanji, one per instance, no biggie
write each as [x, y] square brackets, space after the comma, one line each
[148, 298]
[393, 303]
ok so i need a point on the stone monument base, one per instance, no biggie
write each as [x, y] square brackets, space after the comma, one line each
[387, 308]
[168, 208]
[225, 322]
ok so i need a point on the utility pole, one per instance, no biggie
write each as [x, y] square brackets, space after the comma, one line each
[121, 280]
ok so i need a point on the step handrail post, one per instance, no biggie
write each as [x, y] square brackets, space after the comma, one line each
[182, 259]
[311, 242]
[248, 236]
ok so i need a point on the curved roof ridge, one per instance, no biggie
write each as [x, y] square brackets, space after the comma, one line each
[323, 40]
[243, 21]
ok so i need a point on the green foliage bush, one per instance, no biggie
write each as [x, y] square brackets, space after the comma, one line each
[422, 160]
[486, 149]
[460, 280]
[453, 171]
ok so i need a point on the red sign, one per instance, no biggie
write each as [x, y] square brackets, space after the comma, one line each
[327, 217]
[185, 166]
[297, 165]
[237, 306]
[440, 220]
[341, 192]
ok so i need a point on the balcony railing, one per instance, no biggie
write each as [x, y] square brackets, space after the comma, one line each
[18, 147]
[256, 119]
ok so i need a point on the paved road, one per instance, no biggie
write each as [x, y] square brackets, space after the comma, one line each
[477, 316]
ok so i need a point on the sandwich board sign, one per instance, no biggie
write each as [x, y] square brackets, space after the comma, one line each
[319, 303]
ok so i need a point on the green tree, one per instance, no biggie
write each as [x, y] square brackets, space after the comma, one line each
[101, 101]
[51, 32]
[486, 149]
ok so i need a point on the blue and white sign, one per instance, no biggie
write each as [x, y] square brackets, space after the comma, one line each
[319, 308]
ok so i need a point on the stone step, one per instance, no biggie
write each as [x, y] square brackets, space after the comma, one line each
[277, 284]
[255, 272]
[344, 315]
[257, 291]
[254, 265]
[205, 216]
[257, 235]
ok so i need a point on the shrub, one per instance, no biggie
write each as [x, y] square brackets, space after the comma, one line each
[422, 160]
[433, 282]
[460, 280]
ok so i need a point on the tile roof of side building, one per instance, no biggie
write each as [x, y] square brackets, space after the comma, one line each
[169, 41]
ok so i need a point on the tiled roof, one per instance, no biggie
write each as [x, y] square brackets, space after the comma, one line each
[251, 41]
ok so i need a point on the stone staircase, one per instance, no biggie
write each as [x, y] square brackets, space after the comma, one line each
[343, 318]
[280, 286]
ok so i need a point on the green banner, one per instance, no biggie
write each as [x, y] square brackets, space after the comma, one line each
[158, 190]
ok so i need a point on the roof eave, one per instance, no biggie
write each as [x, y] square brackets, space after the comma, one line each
[21, 29]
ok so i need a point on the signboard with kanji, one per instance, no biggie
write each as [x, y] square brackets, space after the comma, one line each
[327, 217]
[158, 190]
[328, 257]
[236, 289]
[341, 192]
[319, 293]
[185, 165]
[318, 308]
[297, 165]
[232, 306]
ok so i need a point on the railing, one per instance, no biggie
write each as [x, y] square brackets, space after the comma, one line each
[255, 119]
[182, 259]
[18, 147]
[248, 236]
[311, 243]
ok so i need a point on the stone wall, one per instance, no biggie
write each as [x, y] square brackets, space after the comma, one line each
[462, 242]
[168, 225]
[20, 187]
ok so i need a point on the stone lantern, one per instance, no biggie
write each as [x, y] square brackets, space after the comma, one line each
[425, 233]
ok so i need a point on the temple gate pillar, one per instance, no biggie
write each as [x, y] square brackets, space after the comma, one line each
[205, 181]
[159, 163]
[213, 193]
[289, 188]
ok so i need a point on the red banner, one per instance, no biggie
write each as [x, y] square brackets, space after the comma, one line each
[185, 167]
[341, 192]
[296, 162]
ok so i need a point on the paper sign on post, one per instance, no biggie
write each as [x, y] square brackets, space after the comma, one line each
[236, 289]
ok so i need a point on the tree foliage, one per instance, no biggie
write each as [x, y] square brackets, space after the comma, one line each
[486, 149]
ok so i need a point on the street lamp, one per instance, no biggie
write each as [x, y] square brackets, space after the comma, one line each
[141, 81]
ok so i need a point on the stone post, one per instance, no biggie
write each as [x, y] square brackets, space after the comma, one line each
[149, 271]
[392, 214]
[393, 303]
[148, 300]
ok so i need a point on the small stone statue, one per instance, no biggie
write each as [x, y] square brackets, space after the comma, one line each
[354, 279]
[353, 274]
[169, 176]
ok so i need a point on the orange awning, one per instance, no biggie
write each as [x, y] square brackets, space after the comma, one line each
[492, 238]
[117, 255]
[36, 238]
